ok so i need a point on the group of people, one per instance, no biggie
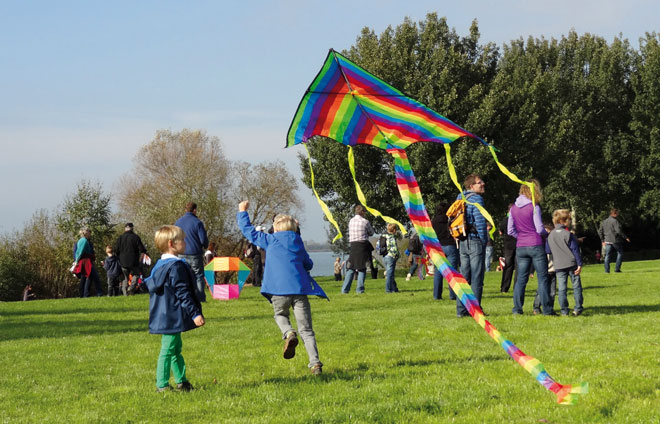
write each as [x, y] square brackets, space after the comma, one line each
[551, 250]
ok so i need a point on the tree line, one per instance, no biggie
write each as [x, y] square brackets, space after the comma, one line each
[171, 170]
[578, 113]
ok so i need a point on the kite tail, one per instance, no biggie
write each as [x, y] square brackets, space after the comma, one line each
[326, 211]
[363, 200]
[414, 205]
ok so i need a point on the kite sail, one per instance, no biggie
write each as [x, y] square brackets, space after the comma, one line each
[352, 106]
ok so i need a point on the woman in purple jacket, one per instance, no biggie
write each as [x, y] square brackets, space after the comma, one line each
[525, 223]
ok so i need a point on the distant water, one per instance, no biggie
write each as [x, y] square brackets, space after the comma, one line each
[323, 263]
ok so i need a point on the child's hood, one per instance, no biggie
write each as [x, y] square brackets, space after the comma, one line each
[156, 281]
[290, 240]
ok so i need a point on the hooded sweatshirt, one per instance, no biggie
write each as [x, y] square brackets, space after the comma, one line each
[288, 264]
[172, 301]
[526, 224]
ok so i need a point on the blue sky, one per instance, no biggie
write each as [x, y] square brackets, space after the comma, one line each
[84, 84]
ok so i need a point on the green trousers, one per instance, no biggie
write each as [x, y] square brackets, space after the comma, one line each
[170, 357]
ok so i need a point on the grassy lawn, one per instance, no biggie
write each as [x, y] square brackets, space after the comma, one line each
[387, 358]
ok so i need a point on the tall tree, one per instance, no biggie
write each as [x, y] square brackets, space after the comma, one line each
[171, 170]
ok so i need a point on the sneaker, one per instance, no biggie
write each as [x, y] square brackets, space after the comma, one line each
[316, 369]
[576, 313]
[290, 345]
[164, 389]
[185, 386]
[408, 277]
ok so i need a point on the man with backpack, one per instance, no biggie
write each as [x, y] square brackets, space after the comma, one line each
[472, 245]
[415, 248]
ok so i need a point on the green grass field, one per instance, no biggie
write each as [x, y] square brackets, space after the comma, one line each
[389, 358]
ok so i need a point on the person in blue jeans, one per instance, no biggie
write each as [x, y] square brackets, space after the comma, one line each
[612, 237]
[526, 225]
[440, 223]
[567, 260]
[390, 259]
[472, 250]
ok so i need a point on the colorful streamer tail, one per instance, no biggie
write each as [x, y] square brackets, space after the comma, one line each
[412, 199]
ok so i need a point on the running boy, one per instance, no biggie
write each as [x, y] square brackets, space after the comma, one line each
[567, 260]
[286, 282]
[173, 306]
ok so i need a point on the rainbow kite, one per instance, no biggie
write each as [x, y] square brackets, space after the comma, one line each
[351, 106]
[226, 264]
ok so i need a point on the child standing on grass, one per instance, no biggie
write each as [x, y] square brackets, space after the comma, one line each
[113, 271]
[287, 282]
[173, 306]
[567, 260]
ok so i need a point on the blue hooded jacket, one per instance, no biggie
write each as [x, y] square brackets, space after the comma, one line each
[172, 301]
[287, 262]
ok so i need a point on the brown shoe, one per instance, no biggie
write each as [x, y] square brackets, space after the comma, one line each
[316, 369]
[290, 344]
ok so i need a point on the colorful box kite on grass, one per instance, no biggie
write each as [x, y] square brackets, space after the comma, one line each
[226, 291]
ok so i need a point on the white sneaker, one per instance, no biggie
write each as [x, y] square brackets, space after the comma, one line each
[408, 277]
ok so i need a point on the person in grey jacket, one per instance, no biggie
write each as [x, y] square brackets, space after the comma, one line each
[612, 237]
[567, 260]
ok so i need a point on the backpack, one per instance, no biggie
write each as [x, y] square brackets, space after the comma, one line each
[457, 223]
[415, 245]
[382, 245]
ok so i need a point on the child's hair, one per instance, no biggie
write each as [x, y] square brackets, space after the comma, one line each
[527, 192]
[391, 228]
[165, 234]
[561, 216]
[284, 223]
[108, 249]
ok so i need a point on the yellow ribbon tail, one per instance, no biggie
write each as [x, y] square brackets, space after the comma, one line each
[511, 175]
[454, 178]
[325, 208]
[363, 200]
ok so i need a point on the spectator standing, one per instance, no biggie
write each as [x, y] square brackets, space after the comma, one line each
[567, 260]
[526, 225]
[84, 259]
[509, 252]
[415, 248]
[472, 250]
[489, 249]
[359, 231]
[390, 259]
[210, 253]
[337, 269]
[130, 250]
[113, 271]
[196, 243]
[440, 225]
[612, 238]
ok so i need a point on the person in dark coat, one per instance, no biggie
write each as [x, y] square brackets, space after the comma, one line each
[440, 225]
[113, 271]
[196, 243]
[129, 249]
[509, 252]
[173, 306]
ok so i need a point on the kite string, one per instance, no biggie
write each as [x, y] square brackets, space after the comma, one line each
[362, 198]
[324, 207]
[410, 195]
[511, 175]
[454, 178]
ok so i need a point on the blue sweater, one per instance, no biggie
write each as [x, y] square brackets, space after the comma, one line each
[287, 262]
[172, 301]
[474, 217]
[196, 239]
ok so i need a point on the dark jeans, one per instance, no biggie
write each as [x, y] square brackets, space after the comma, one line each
[472, 253]
[552, 278]
[86, 283]
[507, 271]
[452, 256]
[113, 285]
[609, 253]
[196, 262]
[526, 257]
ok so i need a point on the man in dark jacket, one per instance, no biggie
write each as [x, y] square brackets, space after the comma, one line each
[196, 244]
[129, 249]
[612, 237]
[509, 251]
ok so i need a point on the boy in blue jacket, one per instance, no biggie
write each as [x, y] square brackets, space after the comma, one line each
[173, 306]
[286, 281]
